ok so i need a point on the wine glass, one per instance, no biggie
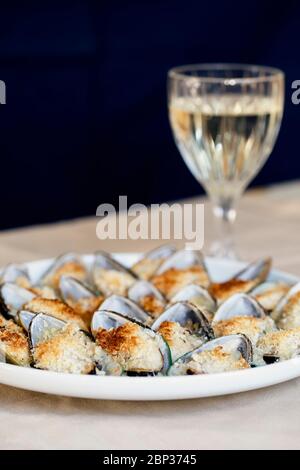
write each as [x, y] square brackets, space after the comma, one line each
[225, 120]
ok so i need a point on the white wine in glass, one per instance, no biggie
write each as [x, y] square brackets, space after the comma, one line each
[225, 120]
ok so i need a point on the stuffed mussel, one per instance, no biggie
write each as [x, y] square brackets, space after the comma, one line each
[124, 345]
[224, 354]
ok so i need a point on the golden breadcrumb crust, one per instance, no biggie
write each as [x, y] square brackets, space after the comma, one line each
[71, 268]
[290, 314]
[131, 347]
[252, 327]
[14, 343]
[221, 291]
[172, 280]
[270, 297]
[44, 291]
[69, 351]
[111, 281]
[152, 305]
[179, 339]
[22, 281]
[224, 290]
[86, 307]
[146, 267]
[215, 361]
[55, 308]
[283, 344]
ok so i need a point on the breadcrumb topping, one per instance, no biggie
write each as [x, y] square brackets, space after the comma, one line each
[71, 268]
[146, 267]
[44, 291]
[69, 350]
[284, 344]
[290, 314]
[56, 308]
[152, 305]
[14, 343]
[179, 339]
[270, 297]
[22, 281]
[111, 281]
[86, 307]
[172, 280]
[224, 290]
[252, 327]
[215, 361]
[132, 347]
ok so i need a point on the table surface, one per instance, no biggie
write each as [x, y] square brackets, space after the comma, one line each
[268, 223]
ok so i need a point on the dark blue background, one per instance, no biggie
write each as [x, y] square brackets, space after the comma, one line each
[86, 117]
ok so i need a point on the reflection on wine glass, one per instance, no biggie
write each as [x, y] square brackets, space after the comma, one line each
[225, 119]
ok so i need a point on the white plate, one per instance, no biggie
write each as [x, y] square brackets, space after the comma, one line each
[153, 388]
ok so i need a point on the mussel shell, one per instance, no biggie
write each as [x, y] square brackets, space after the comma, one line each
[58, 309]
[196, 295]
[281, 314]
[125, 306]
[14, 347]
[269, 294]
[66, 259]
[245, 347]
[161, 252]
[239, 341]
[110, 320]
[12, 298]
[24, 318]
[294, 290]
[182, 313]
[239, 305]
[244, 281]
[106, 319]
[71, 288]
[105, 261]
[141, 289]
[145, 294]
[110, 276]
[15, 273]
[182, 259]
[150, 262]
[257, 270]
[270, 359]
[181, 269]
[42, 327]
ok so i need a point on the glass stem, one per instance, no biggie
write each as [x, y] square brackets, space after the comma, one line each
[225, 215]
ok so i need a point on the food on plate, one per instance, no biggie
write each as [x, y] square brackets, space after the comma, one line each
[244, 281]
[129, 345]
[184, 327]
[224, 354]
[164, 315]
[14, 347]
[180, 269]
[60, 346]
[148, 297]
[149, 263]
[111, 277]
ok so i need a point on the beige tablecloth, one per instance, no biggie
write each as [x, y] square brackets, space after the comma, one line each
[268, 223]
